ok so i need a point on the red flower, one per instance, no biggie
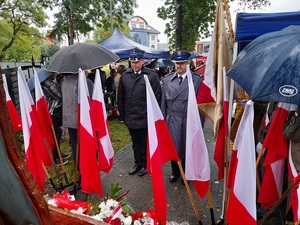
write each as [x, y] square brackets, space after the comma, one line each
[137, 216]
[116, 221]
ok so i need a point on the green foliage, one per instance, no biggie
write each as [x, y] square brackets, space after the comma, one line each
[49, 49]
[101, 34]
[77, 16]
[192, 19]
[19, 23]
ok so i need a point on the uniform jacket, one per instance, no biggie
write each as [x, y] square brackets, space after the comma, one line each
[174, 107]
[132, 103]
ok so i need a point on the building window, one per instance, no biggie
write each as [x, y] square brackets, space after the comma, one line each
[142, 26]
[152, 46]
[152, 37]
[133, 25]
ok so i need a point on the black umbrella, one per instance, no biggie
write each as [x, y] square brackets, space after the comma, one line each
[268, 68]
[161, 63]
[81, 55]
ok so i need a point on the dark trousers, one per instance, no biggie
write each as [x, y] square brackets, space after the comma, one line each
[139, 146]
[175, 167]
[73, 141]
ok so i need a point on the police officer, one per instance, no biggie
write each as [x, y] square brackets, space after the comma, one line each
[132, 106]
[174, 104]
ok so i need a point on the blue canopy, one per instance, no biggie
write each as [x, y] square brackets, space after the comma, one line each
[251, 25]
[121, 45]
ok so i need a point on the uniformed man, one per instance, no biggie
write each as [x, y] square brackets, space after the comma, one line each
[132, 106]
[174, 105]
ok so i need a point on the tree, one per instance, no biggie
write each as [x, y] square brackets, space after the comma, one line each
[192, 19]
[77, 16]
[19, 23]
[101, 34]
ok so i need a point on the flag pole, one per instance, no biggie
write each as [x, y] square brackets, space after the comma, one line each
[189, 193]
[59, 155]
[283, 196]
[49, 177]
[211, 209]
[51, 157]
[258, 182]
[76, 165]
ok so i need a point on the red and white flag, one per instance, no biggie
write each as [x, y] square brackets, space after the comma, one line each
[44, 120]
[221, 141]
[100, 124]
[33, 143]
[295, 194]
[277, 150]
[242, 173]
[161, 149]
[12, 111]
[89, 169]
[197, 161]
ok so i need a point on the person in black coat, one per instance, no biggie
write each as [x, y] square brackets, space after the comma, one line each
[132, 106]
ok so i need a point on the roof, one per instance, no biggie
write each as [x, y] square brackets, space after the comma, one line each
[251, 25]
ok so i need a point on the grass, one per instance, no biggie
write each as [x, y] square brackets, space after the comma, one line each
[119, 136]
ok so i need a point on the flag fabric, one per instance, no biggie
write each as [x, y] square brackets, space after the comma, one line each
[295, 194]
[197, 160]
[161, 149]
[12, 111]
[221, 141]
[219, 56]
[44, 120]
[274, 141]
[33, 142]
[277, 150]
[241, 207]
[100, 124]
[89, 169]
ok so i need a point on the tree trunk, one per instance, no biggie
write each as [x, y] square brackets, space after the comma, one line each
[179, 22]
[71, 33]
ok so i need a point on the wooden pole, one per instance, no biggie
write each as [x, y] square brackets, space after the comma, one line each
[189, 193]
[211, 209]
[283, 196]
[59, 155]
[49, 177]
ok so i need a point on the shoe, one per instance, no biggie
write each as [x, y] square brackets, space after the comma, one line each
[142, 172]
[173, 178]
[65, 156]
[134, 170]
[57, 161]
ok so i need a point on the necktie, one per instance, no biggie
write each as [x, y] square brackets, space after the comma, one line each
[180, 80]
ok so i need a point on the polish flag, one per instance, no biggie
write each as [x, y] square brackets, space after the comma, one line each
[221, 141]
[100, 124]
[197, 161]
[295, 194]
[33, 142]
[89, 169]
[242, 173]
[44, 120]
[161, 149]
[12, 111]
[274, 140]
[277, 150]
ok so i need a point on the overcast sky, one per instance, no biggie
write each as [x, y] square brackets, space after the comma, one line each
[147, 10]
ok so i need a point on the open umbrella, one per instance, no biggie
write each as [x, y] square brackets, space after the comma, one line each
[81, 55]
[42, 74]
[195, 55]
[268, 68]
[161, 63]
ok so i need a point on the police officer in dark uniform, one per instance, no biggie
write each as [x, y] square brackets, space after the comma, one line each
[132, 106]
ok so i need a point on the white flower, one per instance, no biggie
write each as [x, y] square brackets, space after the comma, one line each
[127, 220]
[137, 222]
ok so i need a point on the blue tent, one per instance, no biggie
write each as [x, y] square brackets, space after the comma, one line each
[251, 25]
[121, 45]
